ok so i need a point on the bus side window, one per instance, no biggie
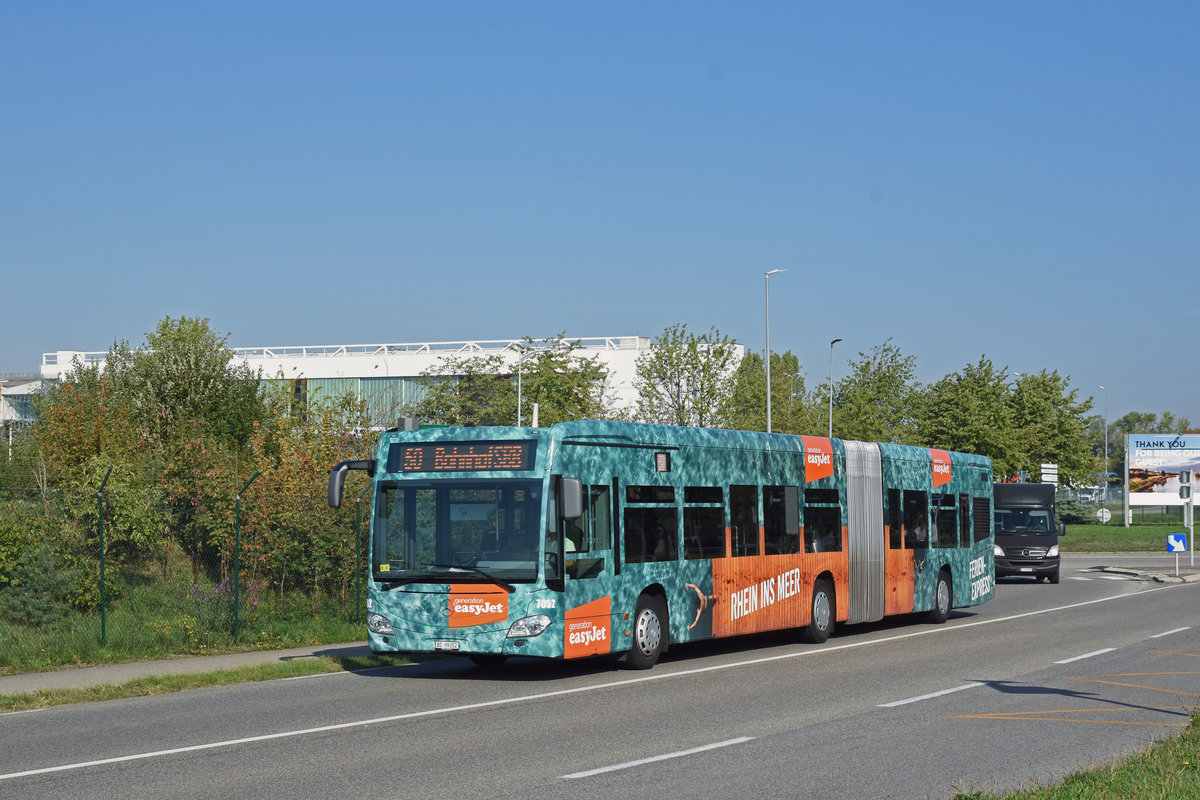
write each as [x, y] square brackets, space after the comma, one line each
[781, 519]
[600, 508]
[650, 534]
[822, 521]
[703, 525]
[916, 520]
[947, 522]
[743, 519]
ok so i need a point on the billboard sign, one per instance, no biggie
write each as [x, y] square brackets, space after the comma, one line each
[1154, 461]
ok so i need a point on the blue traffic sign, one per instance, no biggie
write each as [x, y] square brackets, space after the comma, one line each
[1176, 542]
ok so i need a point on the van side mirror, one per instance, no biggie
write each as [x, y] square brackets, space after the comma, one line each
[570, 498]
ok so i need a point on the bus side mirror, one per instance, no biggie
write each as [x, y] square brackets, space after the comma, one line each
[570, 498]
[337, 479]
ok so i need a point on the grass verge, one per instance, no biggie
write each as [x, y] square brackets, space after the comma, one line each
[162, 684]
[1167, 771]
[1113, 538]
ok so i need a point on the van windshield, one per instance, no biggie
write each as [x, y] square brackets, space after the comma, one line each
[1037, 521]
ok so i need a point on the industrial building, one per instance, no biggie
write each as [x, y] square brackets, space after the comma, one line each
[384, 376]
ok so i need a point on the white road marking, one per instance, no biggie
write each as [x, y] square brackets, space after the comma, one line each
[628, 764]
[663, 675]
[1086, 655]
[1168, 633]
[929, 696]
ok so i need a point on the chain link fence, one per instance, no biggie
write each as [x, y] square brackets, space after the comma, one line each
[75, 591]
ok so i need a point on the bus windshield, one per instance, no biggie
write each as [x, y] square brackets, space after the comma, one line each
[460, 532]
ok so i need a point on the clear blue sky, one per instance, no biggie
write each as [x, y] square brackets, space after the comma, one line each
[1017, 180]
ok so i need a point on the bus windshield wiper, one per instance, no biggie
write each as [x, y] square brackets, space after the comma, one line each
[508, 587]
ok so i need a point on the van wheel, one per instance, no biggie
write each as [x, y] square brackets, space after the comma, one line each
[649, 632]
[941, 600]
[822, 620]
[1052, 577]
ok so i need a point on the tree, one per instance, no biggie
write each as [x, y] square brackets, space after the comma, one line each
[879, 400]
[186, 378]
[791, 407]
[467, 390]
[564, 385]
[483, 389]
[967, 411]
[291, 539]
[685, 379]
[1049, 426]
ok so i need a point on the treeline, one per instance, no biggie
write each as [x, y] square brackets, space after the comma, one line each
[1019, 420]
[184, 428]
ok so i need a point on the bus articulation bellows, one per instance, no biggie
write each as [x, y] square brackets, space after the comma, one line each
[592, 537]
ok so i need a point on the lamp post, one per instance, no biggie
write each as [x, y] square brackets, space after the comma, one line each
[831, 344]
[767, 290]
[1104, 493]
[520, 361]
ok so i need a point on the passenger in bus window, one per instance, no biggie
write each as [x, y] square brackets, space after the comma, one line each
[920, 530]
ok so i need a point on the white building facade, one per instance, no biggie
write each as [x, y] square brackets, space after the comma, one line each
[384, 376]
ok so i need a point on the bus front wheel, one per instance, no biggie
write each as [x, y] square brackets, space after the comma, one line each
[649, 632]
[822, 620]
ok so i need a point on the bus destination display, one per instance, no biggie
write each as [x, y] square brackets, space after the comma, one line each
[461, 456]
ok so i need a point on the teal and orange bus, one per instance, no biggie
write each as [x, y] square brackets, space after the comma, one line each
[590, 538]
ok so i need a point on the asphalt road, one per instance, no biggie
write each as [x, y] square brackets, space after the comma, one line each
[1040, 682]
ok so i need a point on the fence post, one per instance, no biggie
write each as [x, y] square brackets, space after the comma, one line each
[358, 550]
[237, 550]
[100, 531]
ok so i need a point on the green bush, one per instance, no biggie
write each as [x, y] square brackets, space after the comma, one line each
[41, 589]
[1070, 511]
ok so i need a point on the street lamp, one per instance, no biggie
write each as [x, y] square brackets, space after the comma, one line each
[767, 280]
[831, 344]
[1104, 493]
[520, 361]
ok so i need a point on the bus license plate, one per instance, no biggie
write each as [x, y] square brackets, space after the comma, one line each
[446, 645]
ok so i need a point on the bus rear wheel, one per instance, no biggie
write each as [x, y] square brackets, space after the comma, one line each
[822, 619]
[941, 601]
[649, 632]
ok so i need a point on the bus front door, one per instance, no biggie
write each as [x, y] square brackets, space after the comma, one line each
[589, 563]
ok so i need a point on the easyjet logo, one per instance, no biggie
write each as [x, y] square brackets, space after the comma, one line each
[586, 632]
[476, 605]
[942, 473]
[818, 458]
[478, 608]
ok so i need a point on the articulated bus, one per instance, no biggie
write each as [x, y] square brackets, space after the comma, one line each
[591, 538]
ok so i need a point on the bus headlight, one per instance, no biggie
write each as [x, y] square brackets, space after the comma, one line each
[377, 623]
[998, 551]
[1052, 552]
[528, 626]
